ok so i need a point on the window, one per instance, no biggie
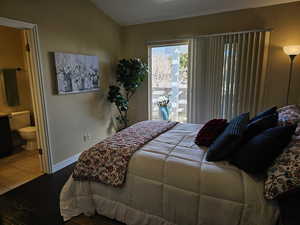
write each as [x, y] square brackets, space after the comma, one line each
[169, 82]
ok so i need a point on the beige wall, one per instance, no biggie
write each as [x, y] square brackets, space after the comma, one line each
[11, 56]
[75, 26]
[284, 19]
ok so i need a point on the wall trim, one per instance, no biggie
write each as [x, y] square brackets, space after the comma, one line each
[16, 23]
[62, 164]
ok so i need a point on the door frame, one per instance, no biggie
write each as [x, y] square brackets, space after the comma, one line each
[35, 71]
[183, 41]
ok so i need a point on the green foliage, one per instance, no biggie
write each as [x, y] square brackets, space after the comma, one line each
[183, 61]
[183, 66]
[115, 96]
[130, 75]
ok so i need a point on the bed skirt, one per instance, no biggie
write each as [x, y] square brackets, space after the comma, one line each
[109, 208]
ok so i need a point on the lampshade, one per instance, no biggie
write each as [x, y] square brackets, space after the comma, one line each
[292, 49]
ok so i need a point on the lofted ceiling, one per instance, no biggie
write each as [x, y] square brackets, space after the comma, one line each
[128, 12]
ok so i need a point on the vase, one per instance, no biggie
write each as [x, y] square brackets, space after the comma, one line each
[164, 112]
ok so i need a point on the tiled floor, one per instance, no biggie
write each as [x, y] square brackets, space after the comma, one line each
[18, 169]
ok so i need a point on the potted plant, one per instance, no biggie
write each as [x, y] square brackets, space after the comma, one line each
[130, 75]
[163, 102]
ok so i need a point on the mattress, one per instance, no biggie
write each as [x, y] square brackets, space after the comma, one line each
[169, 182]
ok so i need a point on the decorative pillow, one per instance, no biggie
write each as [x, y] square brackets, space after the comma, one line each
[260, 152]
[228, 141]
[289, 115]
[284, 175]
[265, 113]
[259, 125]
[210, 131]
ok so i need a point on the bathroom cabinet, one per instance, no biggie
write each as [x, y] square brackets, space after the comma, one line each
[5, 136]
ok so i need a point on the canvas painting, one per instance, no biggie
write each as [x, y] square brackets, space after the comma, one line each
[76, 73]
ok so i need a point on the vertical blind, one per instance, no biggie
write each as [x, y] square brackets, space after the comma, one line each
[228, 74]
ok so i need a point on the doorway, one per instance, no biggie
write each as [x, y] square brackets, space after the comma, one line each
[27, 154]
[168, 82]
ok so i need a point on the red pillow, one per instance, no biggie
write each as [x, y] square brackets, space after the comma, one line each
[210, 131]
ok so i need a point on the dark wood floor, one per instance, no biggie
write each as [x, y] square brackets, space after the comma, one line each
[94, 220]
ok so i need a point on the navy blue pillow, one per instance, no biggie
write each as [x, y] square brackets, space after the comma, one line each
[228, 141]
[260, 152]
[265, 113]
[259, 125]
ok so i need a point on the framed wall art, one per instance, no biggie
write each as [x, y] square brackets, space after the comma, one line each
[76, 73]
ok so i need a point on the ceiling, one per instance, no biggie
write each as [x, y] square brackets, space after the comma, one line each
[128, 12]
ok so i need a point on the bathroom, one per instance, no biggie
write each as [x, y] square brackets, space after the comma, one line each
[19, 155]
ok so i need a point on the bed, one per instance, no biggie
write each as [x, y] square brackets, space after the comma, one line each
[169, 182]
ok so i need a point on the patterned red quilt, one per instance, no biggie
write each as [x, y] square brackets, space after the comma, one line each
[107, 161]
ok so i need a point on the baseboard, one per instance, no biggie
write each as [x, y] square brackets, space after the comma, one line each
[58, 166]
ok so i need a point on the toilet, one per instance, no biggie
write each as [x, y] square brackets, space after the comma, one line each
[20, 121]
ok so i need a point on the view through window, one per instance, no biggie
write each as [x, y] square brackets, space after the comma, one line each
[169, 82]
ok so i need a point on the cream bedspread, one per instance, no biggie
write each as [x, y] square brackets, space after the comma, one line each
[170, 182]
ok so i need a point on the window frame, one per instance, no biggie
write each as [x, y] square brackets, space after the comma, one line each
[164, 44]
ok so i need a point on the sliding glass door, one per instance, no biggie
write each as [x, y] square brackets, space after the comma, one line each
[168, 82]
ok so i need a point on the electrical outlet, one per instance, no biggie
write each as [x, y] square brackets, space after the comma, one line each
[87, 136]
[84, 138]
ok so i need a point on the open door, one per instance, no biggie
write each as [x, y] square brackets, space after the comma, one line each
[32, 63]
